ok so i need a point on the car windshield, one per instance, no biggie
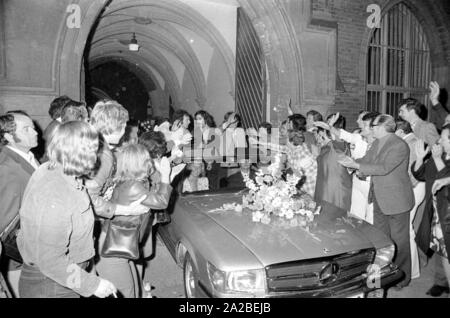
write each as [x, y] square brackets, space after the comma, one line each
[218, 179]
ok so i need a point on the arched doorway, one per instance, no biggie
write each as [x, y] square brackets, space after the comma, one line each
[181, 54]
[121, 81]
[176, 27]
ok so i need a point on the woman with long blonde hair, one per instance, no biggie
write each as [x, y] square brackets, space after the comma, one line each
[134, 166]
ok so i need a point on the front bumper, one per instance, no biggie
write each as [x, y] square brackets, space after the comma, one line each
[387, 277]
[358, 285]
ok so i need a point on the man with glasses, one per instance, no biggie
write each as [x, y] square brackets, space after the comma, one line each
[390, 191]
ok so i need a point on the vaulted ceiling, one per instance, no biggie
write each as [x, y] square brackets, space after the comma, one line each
[174, 36]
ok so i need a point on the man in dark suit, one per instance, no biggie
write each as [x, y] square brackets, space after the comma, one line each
[387, 162]
[17, 163]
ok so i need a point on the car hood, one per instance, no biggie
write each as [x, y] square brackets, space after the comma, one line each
[332, 233]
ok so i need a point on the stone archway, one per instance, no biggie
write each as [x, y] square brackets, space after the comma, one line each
[282, 55]
[73, 42]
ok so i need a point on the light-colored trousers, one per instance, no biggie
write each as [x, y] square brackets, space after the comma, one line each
[360, 207]
[446, 266]
[12, 278]
[419, 196]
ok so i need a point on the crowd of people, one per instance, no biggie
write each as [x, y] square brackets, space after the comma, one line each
[103, 171]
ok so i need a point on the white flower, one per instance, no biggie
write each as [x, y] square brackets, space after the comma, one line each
[317, 211]
[257, 216]
[176, 152]
[276, 203]
[286, 205]
[265, 219]
[289, 214]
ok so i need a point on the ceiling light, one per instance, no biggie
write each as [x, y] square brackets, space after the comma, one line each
[142, 20]
[133, 46]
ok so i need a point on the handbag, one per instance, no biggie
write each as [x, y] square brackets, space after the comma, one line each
[9, 240]
[122, 237]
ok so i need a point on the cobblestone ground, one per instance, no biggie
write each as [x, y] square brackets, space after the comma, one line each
[167, 279]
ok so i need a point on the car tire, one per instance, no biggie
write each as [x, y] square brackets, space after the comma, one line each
[190, 277]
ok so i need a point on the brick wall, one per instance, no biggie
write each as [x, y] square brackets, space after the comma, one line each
[353, 35]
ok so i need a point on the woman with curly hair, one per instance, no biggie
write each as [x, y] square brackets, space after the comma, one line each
[206, 138]
[301, 161]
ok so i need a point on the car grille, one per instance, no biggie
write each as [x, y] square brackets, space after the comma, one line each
[310, 274]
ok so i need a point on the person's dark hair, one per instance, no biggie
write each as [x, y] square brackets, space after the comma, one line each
[423, 112]
[179, 115]
[298, 122]
[209, 120]
[238, 120]
[133, 123]
[160, 120]
[57, 105]
[267, 126]
[237, 117]
[227, 115]
[413, 104]
[74, 111]
[128, 128]
[315, 114]
[446, 127]
[155, 143]
[403, 125]
[7, 126]
[327, 132]
[18, 112]
[370, 117]
[340, 123]
[296, 137]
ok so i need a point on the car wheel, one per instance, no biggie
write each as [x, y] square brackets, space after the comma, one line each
[190, 277]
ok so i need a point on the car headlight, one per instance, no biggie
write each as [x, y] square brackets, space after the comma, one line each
[383, 258]
[251, 282]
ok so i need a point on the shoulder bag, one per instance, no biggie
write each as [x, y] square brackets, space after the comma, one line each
[8, 238]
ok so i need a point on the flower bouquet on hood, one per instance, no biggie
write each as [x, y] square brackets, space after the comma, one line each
[274, 194]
